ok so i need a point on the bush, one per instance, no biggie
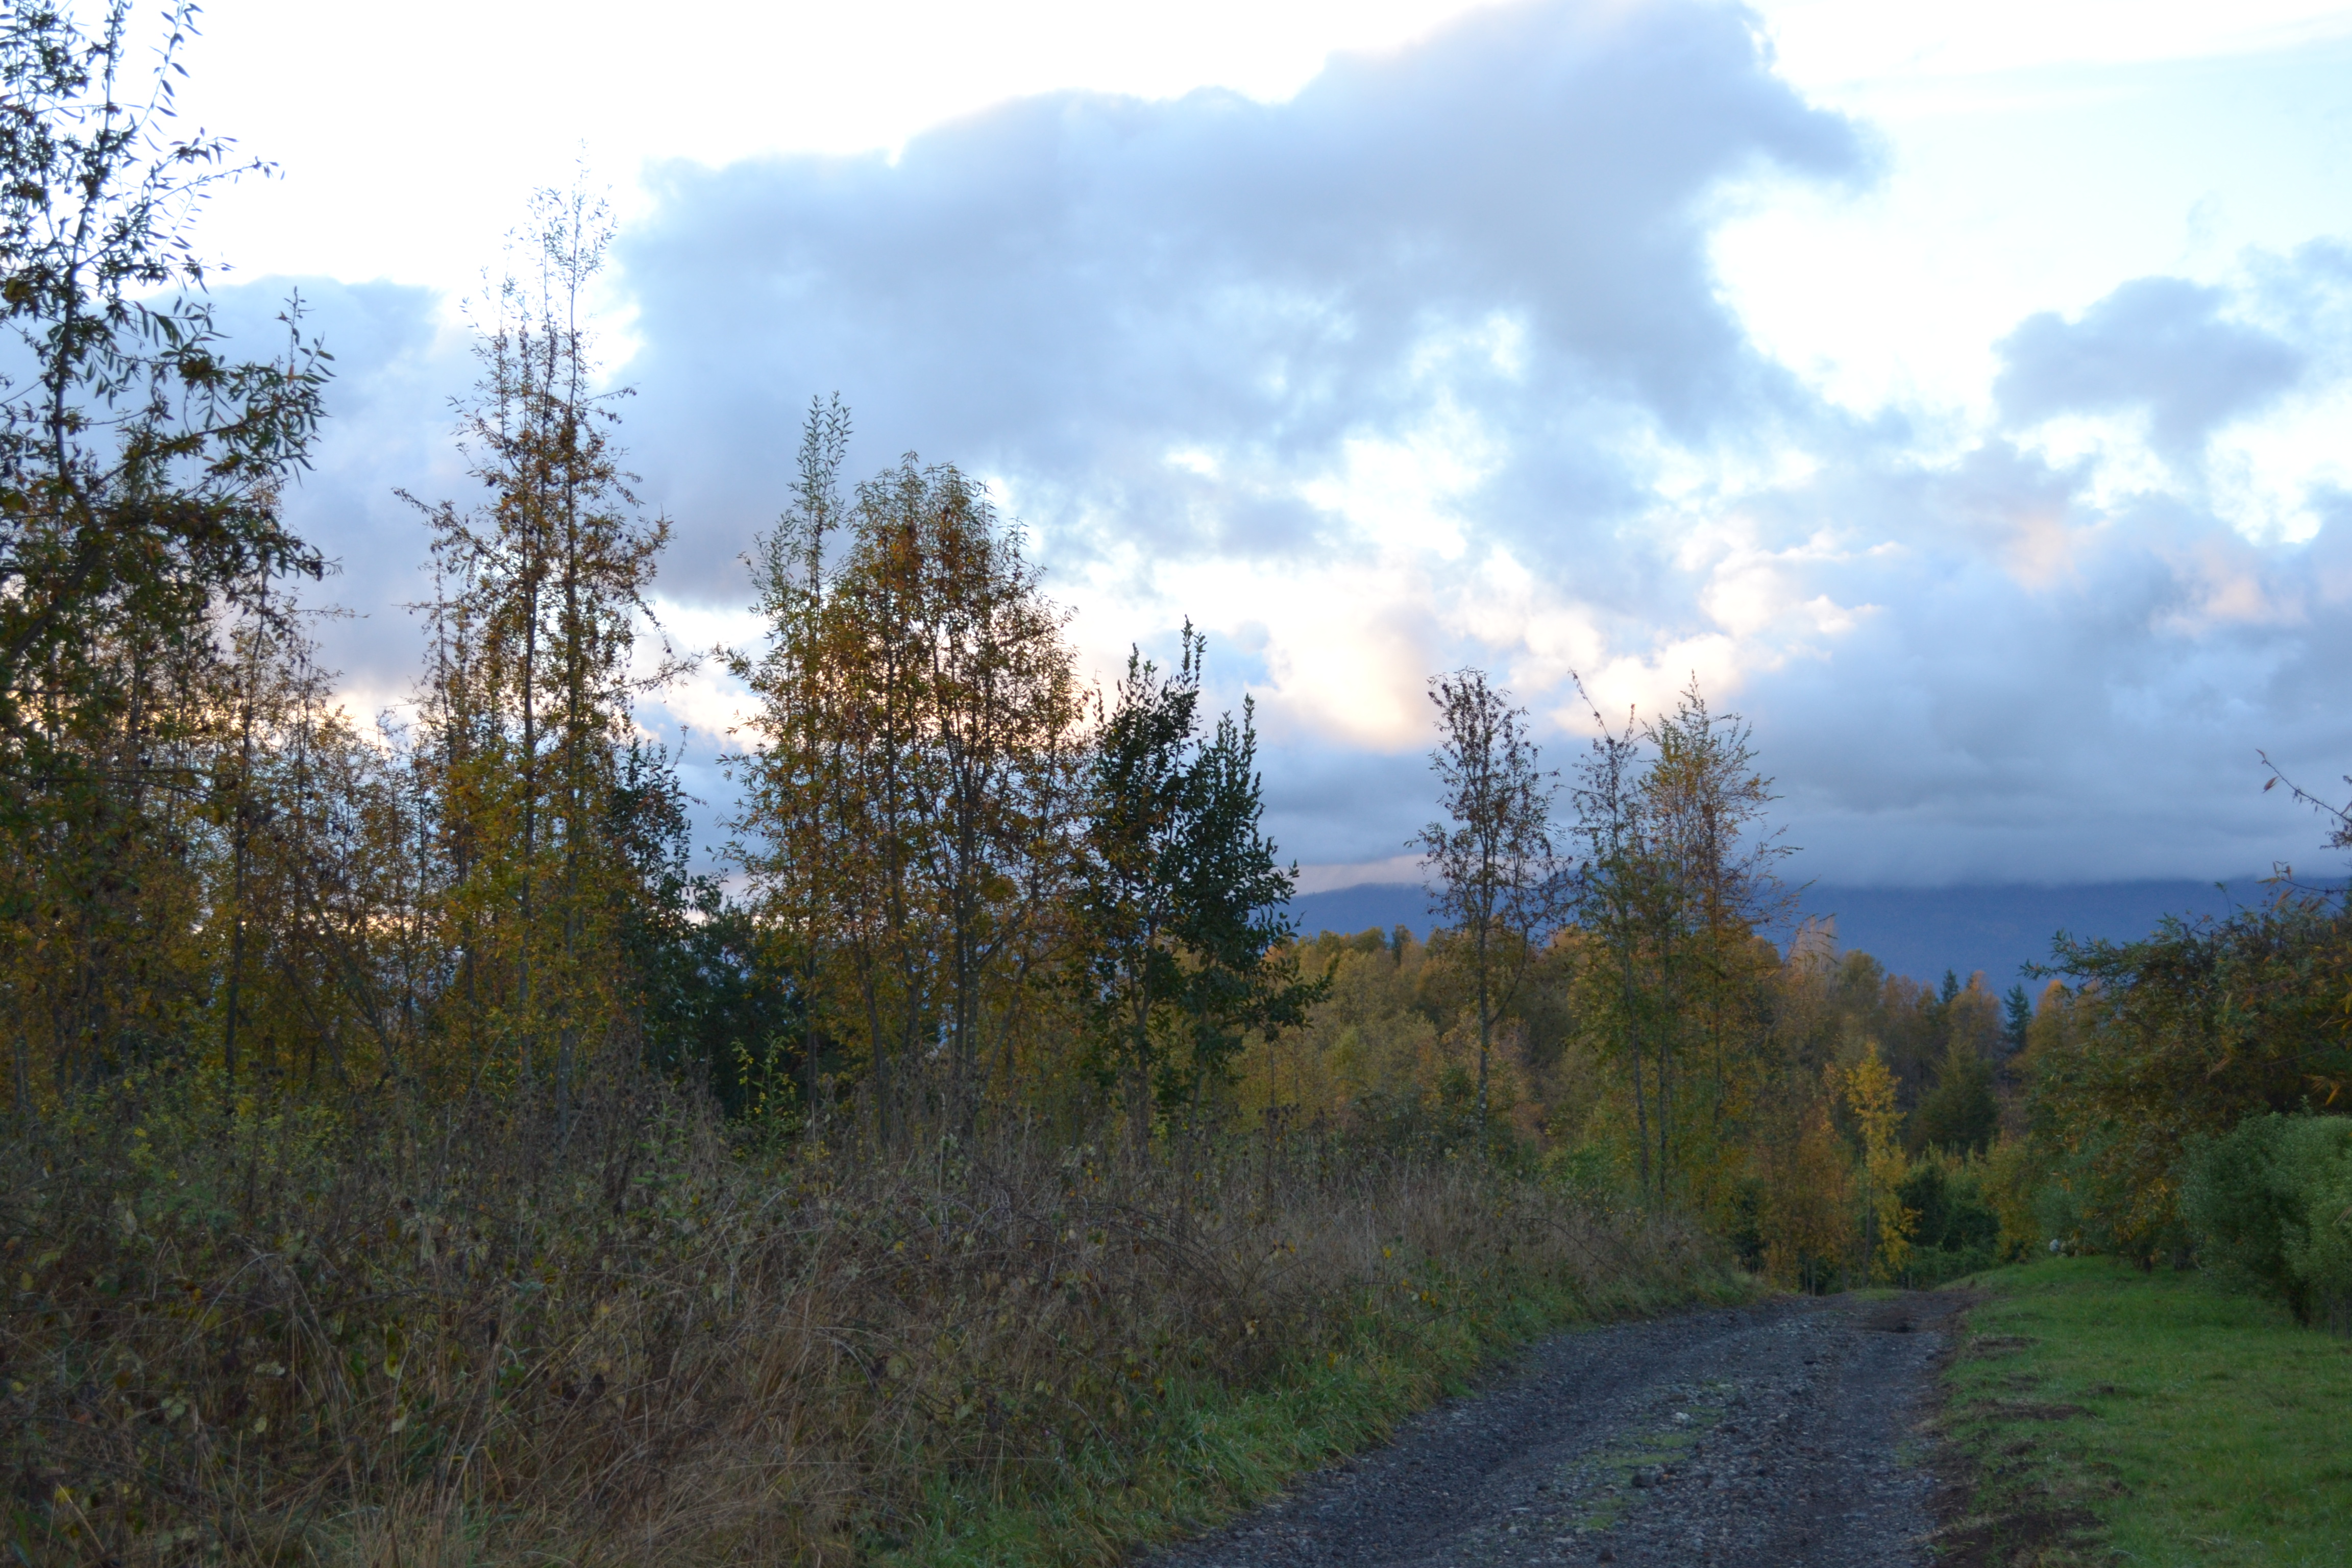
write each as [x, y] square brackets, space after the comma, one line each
[2009, 1180]
[1957, 1230]
[252, 1334]
[2271, 1201]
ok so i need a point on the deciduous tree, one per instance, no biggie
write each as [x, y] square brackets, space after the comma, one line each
[1496, 870]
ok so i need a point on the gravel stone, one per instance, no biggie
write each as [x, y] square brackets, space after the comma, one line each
[1791, 1435]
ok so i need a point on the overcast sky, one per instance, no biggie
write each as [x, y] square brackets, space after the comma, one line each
[1959, 392]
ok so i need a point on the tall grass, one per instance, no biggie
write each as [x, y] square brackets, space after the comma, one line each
[474, 1334]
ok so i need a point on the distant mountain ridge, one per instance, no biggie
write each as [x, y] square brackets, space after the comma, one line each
[1917, 932]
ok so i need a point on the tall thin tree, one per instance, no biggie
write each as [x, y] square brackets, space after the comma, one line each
[1496, 868]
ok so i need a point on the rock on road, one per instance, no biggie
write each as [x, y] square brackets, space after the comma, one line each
[1781, 1435]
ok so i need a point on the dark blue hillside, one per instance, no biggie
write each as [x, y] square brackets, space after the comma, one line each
[1370, 905]
[1917, 932]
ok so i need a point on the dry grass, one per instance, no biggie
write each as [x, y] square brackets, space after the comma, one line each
[458, 1338]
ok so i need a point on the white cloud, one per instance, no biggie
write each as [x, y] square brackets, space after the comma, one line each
[1572, 337]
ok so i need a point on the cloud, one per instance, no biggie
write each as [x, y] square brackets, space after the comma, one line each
[1429, 365]
[399, 359]
[1497, 236]
[2163, 347]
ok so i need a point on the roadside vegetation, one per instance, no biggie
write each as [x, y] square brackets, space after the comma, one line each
[280, 1335]
[2161, 1418]
[2173, 1392]
[417, 1150]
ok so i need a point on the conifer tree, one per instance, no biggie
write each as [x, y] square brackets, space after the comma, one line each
[1181, 897]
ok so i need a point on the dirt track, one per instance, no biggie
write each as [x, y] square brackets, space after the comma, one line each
[1776, 1436]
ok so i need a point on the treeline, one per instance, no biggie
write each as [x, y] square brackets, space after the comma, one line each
[1604, 1001]
[972, 882]
[2187, 1096]
[967, 890]
[2179, 1099]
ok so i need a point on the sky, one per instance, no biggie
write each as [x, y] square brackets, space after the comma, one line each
[1959, 392]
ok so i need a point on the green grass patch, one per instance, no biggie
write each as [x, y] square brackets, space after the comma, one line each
[2157, 1419]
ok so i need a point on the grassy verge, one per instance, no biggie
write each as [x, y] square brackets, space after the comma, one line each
[2155, 1419]
[482, 1336]
[1225, 1447]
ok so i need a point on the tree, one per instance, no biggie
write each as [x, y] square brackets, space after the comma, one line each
[789, 819]
[1959, 1114]
[1676, 874]
[1242, 969]
[2017, 1018]
[1179, 894]
[2182, 1034]
[1130, 879]
[1868, 1089]
[715, 1008]
[534, 686]
[1622, 903]
[1497, 872]
[141, 466]
[1704, 802]
[913, 774]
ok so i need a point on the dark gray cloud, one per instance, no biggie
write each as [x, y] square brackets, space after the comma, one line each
[2163, 346]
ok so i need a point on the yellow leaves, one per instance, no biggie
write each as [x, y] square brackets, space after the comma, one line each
[1806, 1220]
[1869, 1092]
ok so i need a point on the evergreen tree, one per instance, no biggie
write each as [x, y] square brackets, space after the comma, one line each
[1179, 896]
[2016, 1010]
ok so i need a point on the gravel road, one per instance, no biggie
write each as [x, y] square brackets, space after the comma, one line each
[1783, 1435]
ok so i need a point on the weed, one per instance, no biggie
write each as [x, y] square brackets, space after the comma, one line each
[457, 1338]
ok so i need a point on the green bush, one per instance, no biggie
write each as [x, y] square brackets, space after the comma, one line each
[2271, 1200]
[2091, 1198]
[1957, 1230]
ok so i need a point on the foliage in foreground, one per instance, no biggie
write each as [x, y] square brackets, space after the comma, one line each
[2273, 1202]
[281, 1336]
[2153, 1420]
[2173, 1039]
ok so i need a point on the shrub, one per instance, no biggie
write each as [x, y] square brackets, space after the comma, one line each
[248, 1335]
[2010, 1178]
[1957, 1231]
[2271, 1201]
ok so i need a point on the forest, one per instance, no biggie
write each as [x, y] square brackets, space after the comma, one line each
[416, 1150]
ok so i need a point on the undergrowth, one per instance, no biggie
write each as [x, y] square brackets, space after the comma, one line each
[476, 1336]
